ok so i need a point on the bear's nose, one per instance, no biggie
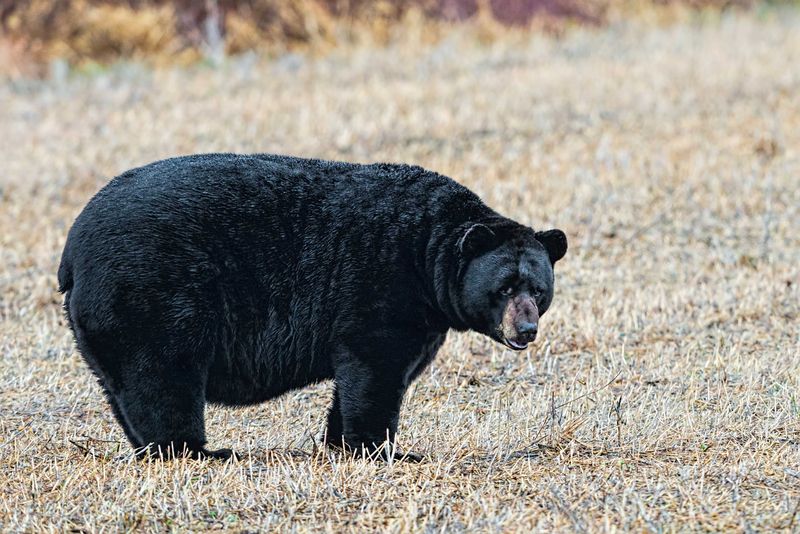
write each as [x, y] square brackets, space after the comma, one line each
[528, 329]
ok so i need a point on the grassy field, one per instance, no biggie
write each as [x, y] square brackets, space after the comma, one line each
[663, 393]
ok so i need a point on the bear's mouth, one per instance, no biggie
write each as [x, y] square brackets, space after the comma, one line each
[514, 345]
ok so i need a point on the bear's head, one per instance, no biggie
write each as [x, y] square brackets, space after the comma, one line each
[506, 279]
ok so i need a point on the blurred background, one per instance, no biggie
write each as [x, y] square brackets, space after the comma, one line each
[84, 33]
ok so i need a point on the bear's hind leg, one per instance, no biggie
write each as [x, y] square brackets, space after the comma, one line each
[103, 372]
[165, 405]
[120, 417]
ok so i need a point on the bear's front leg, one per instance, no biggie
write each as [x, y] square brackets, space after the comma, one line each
[366, 407]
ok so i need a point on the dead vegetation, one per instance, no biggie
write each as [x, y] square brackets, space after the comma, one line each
[663, 394]
[85, 33]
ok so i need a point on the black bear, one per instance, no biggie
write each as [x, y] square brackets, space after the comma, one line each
[232, 279]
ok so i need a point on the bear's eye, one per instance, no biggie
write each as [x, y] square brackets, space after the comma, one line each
[537, 293]
[507, 291]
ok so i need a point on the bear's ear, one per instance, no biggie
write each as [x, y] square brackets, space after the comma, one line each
[555, 243]
[476, 239]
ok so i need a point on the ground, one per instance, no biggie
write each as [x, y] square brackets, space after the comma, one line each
[663, 392]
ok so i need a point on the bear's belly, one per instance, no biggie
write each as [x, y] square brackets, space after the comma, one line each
[237, 383]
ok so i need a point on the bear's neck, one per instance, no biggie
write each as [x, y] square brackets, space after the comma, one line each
[440, 266]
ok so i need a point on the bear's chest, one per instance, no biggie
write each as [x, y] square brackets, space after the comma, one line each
[426, 355]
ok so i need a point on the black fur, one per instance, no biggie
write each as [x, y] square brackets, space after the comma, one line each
[232, 279]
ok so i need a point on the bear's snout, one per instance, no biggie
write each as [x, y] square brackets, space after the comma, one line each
[527, 331]
[520, 322]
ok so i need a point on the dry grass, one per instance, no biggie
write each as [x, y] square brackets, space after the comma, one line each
[663, 394]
